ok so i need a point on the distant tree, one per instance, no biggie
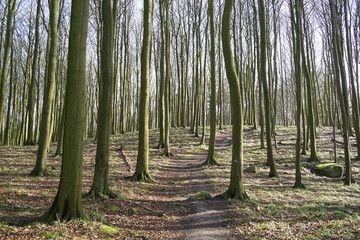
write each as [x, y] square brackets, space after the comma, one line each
[34, 68]
[142, 164]
[236, 188]
[67, 204]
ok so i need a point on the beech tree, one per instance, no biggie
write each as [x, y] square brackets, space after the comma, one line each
[67, 204]
[211, 151]
[267, 103]
[142, 164]
[11, 7]
[236, 188]
[49, 95]
[100, 187]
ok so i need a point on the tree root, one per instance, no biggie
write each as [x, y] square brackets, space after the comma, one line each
[106, 194]
[61, 211]
[210, 162]
[238, 195]
[313, 159]
[142, 177]
[37, 172]
[299, 186]
[273, 175]
[167, 154]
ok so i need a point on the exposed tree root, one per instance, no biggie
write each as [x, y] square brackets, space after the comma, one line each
[238, 195]
[160, 146]
[142, 177]
[273, 174]
[39, 172]
[167, 154]
[106, 194]
[298, 186]
[62, 210]
[210, 162]
[313, 159]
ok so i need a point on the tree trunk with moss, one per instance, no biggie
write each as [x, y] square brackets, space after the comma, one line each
[49, 95]
[11, 7]
[211, 151]
[142, 164]
[67, 204]
[236, 188]
[267, 102]
[100, 186]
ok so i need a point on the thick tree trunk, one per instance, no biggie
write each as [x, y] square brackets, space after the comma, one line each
[67, 204]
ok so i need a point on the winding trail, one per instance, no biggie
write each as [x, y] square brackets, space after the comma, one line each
[211, 218]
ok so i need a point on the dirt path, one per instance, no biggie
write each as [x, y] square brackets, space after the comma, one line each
[210, 219]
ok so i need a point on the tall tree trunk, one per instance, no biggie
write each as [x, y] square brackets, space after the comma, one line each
[49, 95]
[340, 77]
[11, 7]
[267, 104]
[211, 151]
[296, 33]
[142, 164]
[67, 204]
[100, 186]
[34, 67]
[167, 151]
[236, 187]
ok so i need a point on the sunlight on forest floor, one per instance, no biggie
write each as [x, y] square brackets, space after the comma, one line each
[326, 209]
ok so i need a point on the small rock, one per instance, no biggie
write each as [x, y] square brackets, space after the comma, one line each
[252, 169]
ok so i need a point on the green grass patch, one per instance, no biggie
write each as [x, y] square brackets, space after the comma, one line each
[201, 196]
[109, 230]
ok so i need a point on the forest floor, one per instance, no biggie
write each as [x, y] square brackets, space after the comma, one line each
[326, 209]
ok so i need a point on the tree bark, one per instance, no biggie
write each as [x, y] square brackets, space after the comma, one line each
[67, 204]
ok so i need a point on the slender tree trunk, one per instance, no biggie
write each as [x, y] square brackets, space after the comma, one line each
[34, 67]
[236, 188]
[142, 164]
[49, 95]
[270, 155]
[11, 7]
[211, 151]
[100, 186]
[296, 33]
[167, 151]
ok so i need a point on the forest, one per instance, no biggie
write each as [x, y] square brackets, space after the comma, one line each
[179, 119]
